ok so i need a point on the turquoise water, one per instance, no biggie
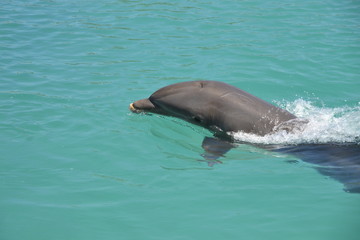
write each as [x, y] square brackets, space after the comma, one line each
[76, 164]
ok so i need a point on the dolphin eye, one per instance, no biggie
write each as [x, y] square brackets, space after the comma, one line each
[197, 119]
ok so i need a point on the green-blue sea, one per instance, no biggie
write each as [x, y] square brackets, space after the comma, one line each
[76, 164]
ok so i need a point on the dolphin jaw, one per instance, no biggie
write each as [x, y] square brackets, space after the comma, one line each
[143, 105]
[133, 109]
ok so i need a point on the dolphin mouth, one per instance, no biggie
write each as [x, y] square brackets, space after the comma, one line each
[132, 108]
[143, 105]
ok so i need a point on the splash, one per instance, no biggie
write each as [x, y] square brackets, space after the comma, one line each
[326, 125]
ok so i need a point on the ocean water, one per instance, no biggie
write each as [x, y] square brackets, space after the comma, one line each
[76, 164]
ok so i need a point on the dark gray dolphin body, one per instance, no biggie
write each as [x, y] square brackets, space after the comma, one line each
[223, 108]
[217, 106]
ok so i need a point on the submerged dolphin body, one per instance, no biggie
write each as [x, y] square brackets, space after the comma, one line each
[223, 108]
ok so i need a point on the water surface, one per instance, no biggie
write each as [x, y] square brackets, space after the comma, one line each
[75, 164]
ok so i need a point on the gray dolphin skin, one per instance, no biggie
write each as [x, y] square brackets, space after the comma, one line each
[223, 108]
[217, 106]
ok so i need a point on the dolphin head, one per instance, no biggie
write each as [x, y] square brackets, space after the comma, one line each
[185, 100]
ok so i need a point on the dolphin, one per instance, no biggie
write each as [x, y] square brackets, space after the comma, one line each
[217, 106]
[223, 109]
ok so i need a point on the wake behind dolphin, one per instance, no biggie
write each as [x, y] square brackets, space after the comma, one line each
[340, 125]
[237, 116]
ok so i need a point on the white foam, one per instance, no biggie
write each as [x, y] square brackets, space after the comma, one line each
[326, 125]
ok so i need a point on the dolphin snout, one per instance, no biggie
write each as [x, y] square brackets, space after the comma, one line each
[143, 105]
[132, 108]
